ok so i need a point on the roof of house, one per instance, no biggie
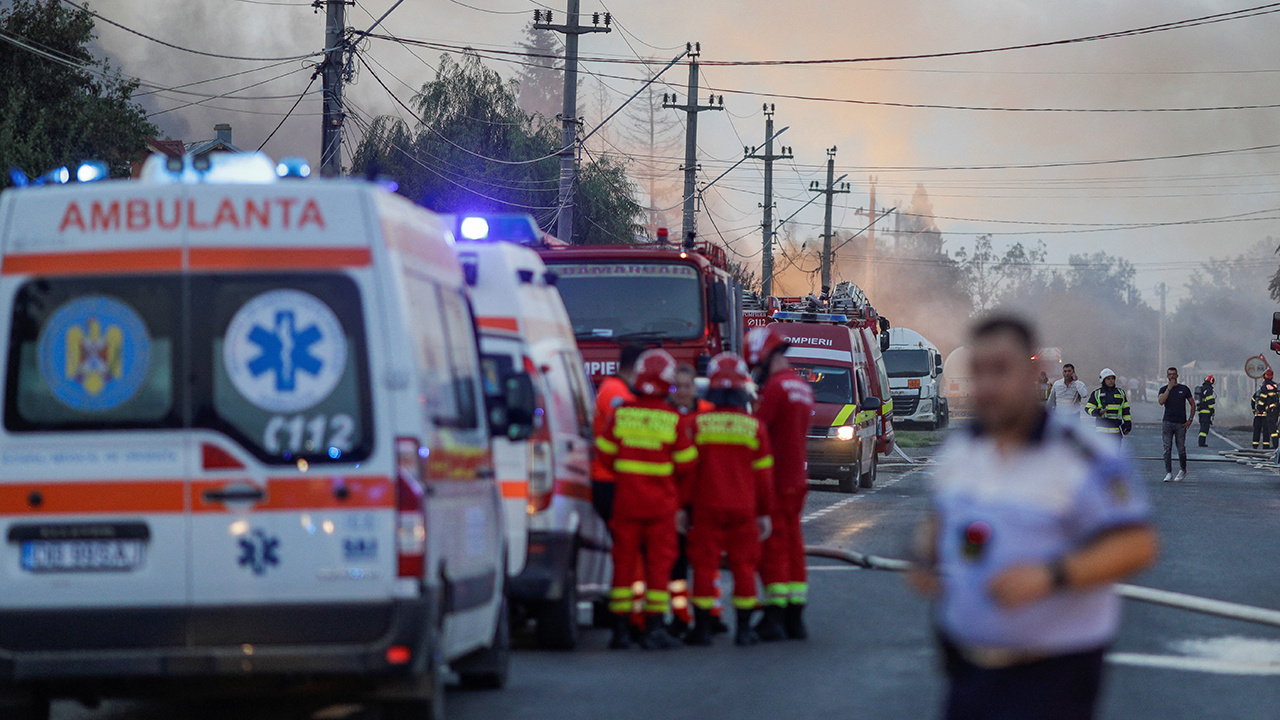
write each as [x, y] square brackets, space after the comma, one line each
[204, 147]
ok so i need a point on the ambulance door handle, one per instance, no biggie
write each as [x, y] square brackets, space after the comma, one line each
[235, 493]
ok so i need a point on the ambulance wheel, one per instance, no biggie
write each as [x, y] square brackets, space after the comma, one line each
[848, 483]
[557, 620]
[868, 479]
[488, 667]
[24, 707]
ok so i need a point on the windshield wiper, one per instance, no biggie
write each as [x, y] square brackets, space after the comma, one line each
[642, 335]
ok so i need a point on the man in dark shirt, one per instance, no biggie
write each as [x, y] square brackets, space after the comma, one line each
[1175, 397]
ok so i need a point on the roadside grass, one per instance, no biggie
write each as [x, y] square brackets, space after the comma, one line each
[917, 438]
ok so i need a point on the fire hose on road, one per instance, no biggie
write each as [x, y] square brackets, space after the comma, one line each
[1167, 598]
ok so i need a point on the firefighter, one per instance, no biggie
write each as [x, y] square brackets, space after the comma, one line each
[786, 408]
[728, 499]
[1205, 406]
[1110, 407]
[612, 393]
[1264, 404]
[645, 446]
[685, 399]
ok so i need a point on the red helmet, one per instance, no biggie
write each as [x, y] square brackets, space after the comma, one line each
[762, 342]
[1269, 374]
[655, 373]
[1209, 379]
[728, 372]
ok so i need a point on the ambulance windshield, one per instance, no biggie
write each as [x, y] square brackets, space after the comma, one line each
[907, 363]
[829, 384]
[632, 301]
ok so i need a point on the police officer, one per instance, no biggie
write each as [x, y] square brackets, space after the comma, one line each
[1205, 404]
[1264, 404]
[786, 409]
[1110, 406]
[728, 499]
[645, 446]
[1033, 520]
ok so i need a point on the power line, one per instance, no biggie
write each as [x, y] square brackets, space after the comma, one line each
[286, 115]
[173, 46]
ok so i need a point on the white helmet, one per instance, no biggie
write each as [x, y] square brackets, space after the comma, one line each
[1106, 373]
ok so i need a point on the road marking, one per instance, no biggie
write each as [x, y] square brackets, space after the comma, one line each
[1193, 664]
[852, 498]
[1233, 443]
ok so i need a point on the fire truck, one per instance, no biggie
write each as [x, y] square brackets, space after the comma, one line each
[681, 298]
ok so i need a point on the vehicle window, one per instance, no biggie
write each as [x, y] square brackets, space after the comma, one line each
[829, 384]
[280, 365]
[907, 363]
[435, 377]
[583, 398]
[91, 353]
[862, 385]
[464, 369]
[632, 301]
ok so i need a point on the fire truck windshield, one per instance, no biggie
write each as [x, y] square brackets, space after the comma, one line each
[829, 384]
[632, 301]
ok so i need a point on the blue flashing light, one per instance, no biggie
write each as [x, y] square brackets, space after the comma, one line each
[91, 170]
[334, 453]
[18, 178]
[810, 317]
[474, 228]
[293, 167]
[59, 176]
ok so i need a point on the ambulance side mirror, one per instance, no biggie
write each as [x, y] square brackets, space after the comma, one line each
[870, 404]
[521, 407]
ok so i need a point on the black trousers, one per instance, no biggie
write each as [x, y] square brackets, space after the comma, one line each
[1064, 687]
[1261, 436]
[1205, 422]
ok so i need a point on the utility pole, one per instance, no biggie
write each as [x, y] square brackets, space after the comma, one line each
[691, 109]
[332, 75]
[831, 190]
[1163, 292]
[871, 213]
[542, 20]
[766, 263]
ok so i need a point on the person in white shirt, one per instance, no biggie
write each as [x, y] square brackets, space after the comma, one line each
[1068, 393]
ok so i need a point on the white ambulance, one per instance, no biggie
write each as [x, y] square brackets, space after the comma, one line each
[558, 545]
[245, 437]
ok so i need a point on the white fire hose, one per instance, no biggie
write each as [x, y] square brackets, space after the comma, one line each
[1182, 601]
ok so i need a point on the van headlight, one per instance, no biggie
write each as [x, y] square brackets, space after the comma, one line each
[844, 432]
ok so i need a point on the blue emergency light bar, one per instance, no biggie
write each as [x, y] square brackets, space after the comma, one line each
[810, 317]
[518, 228]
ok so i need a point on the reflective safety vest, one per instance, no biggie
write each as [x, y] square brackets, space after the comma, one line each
[1206, 402]
[1110, 407]
[735, 464]
[648, 449]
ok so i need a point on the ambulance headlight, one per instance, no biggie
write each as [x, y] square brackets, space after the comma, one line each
[844, 432]
[91, 170]
[474, 228]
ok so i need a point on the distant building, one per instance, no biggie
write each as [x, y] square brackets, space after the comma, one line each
[170, 148]
[220, 143]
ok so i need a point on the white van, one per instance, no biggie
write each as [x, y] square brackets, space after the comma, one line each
[245, 437]
[915, 378]
[558, 546]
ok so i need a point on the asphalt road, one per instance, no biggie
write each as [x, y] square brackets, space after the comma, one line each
[871, 655]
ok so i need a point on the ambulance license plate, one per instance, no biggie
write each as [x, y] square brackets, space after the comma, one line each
[115, 555]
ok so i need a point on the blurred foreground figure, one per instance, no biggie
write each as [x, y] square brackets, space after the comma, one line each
[1034, 518]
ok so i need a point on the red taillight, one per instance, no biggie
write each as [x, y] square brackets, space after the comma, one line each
[542, 476]
[398, 655]
[411, 519]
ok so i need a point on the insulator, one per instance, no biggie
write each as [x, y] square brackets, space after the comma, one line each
[595, 18]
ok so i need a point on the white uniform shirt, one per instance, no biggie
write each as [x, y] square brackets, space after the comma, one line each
[1068, 399]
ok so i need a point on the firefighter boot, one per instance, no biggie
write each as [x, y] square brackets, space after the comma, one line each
[744, 635]
[770, 627]
[793, 622]
[621, 639]
[701, 633]
[656, 636]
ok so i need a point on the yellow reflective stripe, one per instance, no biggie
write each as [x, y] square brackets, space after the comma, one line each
[688, 454]
[763, 463]
[843, 415]
[865, 416]
[657, 595]
[640, 467]
[633, 426]
[605, 446]
[617, 593]
[704, 603]
[715, 438]
[744, 603]
[886, 408]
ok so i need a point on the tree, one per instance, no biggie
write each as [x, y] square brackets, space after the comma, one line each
[472, 148]
[655, 133]
[541, 80]
[57, 112]
[1226, 314]
[989, 276]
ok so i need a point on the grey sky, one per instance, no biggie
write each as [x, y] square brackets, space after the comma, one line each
[1227, 63]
